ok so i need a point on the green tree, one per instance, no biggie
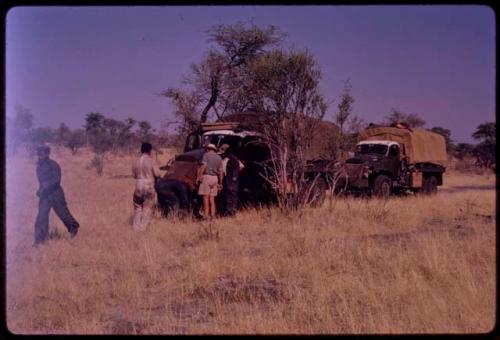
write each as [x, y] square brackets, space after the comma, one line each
[19, 129]
[410, 119]
[344, 107]
[345, 117]
[486, 132]
[463, 150]
[126, 138]
[446, 133]
[485, 150]
[62, 134]
[94, 121]
[98, 138]
[145, 131]
[285, 84]
[75, 140]
[217, 84]
[39, 136]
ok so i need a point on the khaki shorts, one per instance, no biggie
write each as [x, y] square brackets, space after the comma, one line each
[208, 186]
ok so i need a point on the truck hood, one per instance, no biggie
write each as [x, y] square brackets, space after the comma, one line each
[365, 159]
[191, 156]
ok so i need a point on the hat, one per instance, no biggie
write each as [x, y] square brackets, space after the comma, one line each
[43, 148]
[211, 146]
[223, 148]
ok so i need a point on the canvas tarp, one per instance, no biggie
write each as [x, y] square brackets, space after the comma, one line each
[419, 145]
[324, 139]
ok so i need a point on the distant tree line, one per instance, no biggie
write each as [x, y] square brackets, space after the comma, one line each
[484, 152]
[99, 133]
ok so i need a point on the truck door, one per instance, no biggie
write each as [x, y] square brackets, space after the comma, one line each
[394, 161]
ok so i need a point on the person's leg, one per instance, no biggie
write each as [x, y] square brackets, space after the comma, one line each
[147, 210]
[206, 206]
[42, 220]
[232, 202]
[171, 201]
[182, 195]
[213, 209]
[221, 201]
[137, 213]
[62, 211]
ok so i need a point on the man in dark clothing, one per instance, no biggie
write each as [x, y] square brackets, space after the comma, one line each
[231, 168]
[172, 193]
[51, 195]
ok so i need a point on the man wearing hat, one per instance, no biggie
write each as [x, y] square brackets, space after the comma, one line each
[210, 178]
[51, 195]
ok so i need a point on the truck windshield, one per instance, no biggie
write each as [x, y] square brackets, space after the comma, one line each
[218, 140]
[378, 149]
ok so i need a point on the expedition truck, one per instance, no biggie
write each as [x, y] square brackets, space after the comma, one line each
[395, 160]
[242, 131]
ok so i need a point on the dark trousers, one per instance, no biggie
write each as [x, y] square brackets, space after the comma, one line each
[172, 194]
[229, 198]
[232, 201]
[56, 201]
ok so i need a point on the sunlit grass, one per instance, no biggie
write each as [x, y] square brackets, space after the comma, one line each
[407, 265]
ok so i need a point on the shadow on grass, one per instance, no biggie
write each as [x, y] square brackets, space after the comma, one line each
[463, 188]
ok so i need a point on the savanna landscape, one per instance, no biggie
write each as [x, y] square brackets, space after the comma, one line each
[377, 99]
[410, 264]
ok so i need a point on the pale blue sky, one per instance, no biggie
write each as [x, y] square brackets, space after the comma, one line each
[436, 61]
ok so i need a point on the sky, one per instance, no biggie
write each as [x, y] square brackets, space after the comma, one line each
[435, 61]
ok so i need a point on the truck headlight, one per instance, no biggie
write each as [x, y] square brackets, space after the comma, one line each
[366, 171]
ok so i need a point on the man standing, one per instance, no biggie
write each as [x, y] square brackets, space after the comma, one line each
[231, 167]
[145, 171]
[210, 178]
[51, 195]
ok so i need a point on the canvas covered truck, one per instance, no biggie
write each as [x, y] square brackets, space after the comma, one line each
[243, 132]
[396, 159]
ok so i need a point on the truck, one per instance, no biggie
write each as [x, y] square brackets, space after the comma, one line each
[243, 132]
[396, 159]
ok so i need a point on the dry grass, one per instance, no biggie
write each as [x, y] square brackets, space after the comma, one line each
[406, 265]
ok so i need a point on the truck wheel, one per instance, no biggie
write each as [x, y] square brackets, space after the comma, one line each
[382, 186]
[318, 193]
[430, 185]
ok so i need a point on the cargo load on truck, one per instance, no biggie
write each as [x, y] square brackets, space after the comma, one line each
[419, 145]
[323, 140]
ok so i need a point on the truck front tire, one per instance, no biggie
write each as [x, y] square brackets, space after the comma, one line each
[430, 185]
[382, 186]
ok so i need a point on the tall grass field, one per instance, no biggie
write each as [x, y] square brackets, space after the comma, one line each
[411, 264]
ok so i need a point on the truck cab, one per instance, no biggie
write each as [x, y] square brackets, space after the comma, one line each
[379, 156]
[248, 146]
[405, 160]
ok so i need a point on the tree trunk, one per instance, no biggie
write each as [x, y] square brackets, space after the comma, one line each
[212, 101]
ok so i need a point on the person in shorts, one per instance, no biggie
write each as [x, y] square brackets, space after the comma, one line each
[210, 178]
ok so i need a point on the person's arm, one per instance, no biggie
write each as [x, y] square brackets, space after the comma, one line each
[156, 170]
[221, 177]
[201, 170]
